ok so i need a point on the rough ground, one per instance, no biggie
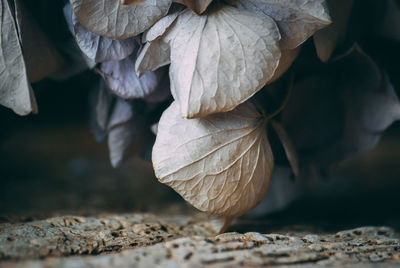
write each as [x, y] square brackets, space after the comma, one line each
[144, 240]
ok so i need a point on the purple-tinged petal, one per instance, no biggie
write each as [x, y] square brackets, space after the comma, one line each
[121, 78]
[101, 48]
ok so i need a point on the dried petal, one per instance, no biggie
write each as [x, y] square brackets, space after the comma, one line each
[15, 92]
[154, 55]
[217, 62]
[111, 19]
[162, 26]
[100, 48]
[121, 78]
[297, 20]
[156, 52]
[221, 164]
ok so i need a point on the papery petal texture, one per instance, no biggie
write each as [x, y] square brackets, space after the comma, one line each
[121, 78]
[99, 48]
[221, 164]
[220, 59]
[297, 19]
[15, 91]
[111, 19]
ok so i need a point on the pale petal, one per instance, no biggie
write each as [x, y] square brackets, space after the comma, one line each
[15, 92]
[153, 55]
[220, 59]
[297, 19]
[111, 19]
[100, 48]
[221, 164]
[122, 79]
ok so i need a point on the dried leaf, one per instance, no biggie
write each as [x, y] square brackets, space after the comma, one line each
[111, 19]
[121, 78]
[221, 164]
[217, 62]
[327, 39]
[297, 20]
[41, 57]
[197, 6]
[15, 92]
[100, 48]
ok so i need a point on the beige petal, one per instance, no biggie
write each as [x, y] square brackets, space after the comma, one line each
[221, 164]
[297, 19]
[15, 91]
[220, 59]
[111, 19]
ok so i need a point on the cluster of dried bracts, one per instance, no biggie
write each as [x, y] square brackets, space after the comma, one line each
[228, 76]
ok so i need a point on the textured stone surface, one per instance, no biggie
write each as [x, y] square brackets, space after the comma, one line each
[143, 240]
[73, 235]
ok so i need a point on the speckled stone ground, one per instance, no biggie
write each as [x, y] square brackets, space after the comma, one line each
[145, 240]
[154, 243]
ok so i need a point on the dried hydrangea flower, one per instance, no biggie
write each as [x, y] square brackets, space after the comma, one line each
[221, 164]
[216, 61]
